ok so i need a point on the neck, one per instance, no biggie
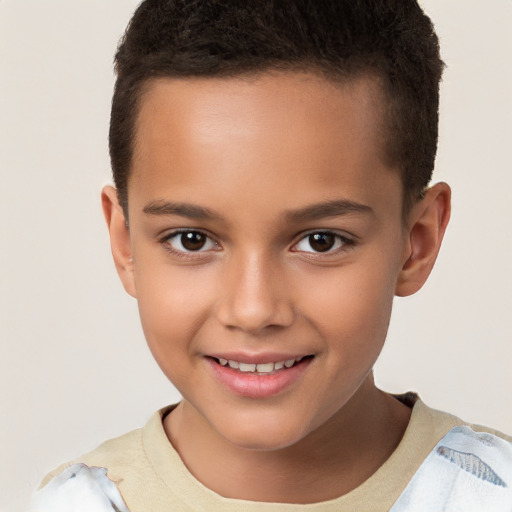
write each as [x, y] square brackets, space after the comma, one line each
[329, 462]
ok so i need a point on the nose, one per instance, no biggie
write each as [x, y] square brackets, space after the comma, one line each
[254, 295]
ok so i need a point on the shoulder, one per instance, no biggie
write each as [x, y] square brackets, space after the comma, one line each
[79, 488]
[115, 454]
[469, 468]
[119, 471]
[491, 431]
[444, 421]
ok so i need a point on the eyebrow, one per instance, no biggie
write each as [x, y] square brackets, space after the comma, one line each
[316, 211]
[326, 209]
[190, 211]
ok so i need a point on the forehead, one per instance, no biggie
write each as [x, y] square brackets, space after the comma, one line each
[280, 135]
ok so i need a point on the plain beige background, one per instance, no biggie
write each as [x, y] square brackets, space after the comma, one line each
[74, 366]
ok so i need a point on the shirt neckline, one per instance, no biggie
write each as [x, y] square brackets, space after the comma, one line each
[426, 427]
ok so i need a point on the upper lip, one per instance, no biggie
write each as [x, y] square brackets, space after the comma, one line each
[258, 358]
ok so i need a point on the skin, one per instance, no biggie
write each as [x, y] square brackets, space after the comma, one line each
[253, 153]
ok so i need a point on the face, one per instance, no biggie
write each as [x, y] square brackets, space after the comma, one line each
[266, 241]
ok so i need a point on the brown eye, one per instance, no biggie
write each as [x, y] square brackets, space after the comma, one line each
[190, 241]
[193, 240]
[322, 242]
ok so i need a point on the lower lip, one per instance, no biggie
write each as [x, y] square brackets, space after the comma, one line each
[251, 385]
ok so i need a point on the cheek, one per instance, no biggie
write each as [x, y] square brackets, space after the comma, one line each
[351, 310]
[173, 304]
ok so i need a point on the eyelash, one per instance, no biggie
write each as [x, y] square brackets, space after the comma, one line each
[165, 241]
[345, 242]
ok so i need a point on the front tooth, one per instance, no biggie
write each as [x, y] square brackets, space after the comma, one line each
[289, 363]
[233, 364]
[264, 367]
[279, 365]
[223, 361]
[244, 367]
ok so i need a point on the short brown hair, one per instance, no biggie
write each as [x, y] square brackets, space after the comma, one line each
[339, 38]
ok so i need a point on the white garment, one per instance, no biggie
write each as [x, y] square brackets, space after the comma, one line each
[466, 472]
[79, 488]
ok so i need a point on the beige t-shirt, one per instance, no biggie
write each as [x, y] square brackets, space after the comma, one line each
[151, 476]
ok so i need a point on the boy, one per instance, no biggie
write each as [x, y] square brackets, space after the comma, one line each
[271, 162]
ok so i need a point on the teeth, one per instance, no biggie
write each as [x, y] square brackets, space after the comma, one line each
[264, 367]
[244, 367]
[260, 367]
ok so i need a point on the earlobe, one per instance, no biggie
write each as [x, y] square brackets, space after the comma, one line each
[119, 237]
[427, 224]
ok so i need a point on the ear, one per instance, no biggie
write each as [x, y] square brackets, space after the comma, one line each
[119, 238]
[426, 226]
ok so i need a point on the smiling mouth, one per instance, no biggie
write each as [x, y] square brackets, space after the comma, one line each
[268, 368]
